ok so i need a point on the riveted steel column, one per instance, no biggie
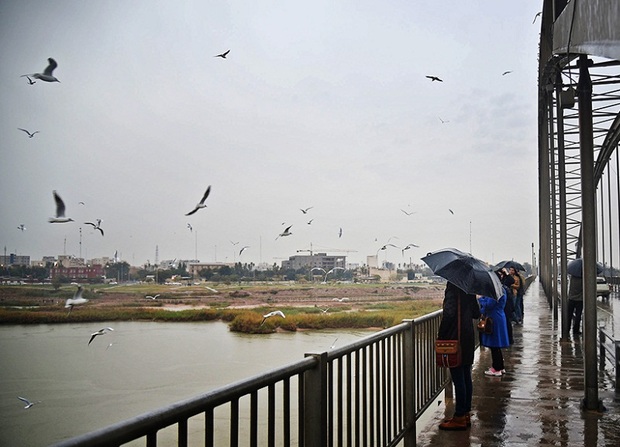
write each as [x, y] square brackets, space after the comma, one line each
[560, 104]
[588, 212]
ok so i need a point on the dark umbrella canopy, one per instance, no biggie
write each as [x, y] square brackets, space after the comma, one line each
[575, 268]
[464, 271]
[507, 264]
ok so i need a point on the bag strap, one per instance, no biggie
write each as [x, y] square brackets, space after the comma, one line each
[458, 334]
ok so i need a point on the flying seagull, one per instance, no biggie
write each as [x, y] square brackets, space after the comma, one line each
[286, 232]
[201, 204]
[21, 227]
[443, 121]
[408, 247]
[190, 227]
[305, 211]
[234, 243]
[340, 299]
[47, 73]
[321, 309]
[340, 232]
[99, 332]
[536, 16]
[27, 402]
[451, 211]
[506, 72]
[96, 226]
[271, 314]
[77, 299]
[434, 78]
[149, 297]
[30, 81]
[333, 345]
[30, 134]
[223, 55]
[60, 211]
[408, 214]
[241, 251]
[310, 221]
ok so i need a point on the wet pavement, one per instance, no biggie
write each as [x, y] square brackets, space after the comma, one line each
[537, 402]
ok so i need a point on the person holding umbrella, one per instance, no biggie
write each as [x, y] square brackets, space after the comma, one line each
[448, 330]
[499, 337]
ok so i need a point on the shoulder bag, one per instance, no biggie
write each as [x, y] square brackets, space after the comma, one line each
[448, 352]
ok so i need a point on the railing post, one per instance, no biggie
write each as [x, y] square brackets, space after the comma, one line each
[315, 403]
[617, 358]
[409, 385]
[601, 348]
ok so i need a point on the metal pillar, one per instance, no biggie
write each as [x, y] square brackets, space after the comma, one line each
[553, 302]
[561, 104]
[544, 192]
[588, 206]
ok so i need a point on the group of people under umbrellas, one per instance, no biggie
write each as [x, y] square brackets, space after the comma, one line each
[500, 289]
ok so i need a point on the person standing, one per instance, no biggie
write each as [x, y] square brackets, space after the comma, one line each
[575, 303]
[516, 286]
[509, 308]
[448, 330]
[498, 338]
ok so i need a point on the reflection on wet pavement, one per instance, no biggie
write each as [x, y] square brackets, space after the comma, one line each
[537, 402]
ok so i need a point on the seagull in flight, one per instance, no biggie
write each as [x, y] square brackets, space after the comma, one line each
[223, 55]
[241, 251]
[536, 16]
[96, 226]
[190, 227]
[305, 211]
[77, 299]
[99, 332]
[234, 243]
[408, 214]
[333, 345]
[340, 300]
[286, 232]
[30, 134]
[340, 232]
[321, 309]
[506, 72]
[60, 211]
[434, 78]
[408, 247]
[310, 221]
[201, 204]
[443, 121]
[30, 81]
[27, 402]
[21, 227]
[47, 73]
[149, 297]
[386, 246]
[271, 314]
[451, 211]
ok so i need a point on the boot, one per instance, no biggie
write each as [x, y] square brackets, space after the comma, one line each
[456, 423]
[468, 419]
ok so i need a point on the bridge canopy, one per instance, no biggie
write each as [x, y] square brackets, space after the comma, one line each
[588, 27]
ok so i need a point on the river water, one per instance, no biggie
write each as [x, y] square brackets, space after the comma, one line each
[138, 367]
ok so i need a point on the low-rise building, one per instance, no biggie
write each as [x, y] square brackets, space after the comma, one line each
[79, 273]
[14, 259]
[319, 260]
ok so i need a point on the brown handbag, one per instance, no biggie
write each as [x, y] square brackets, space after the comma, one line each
[448, 352]
[485, 325]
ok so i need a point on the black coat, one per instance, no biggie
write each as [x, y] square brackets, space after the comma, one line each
[448, 328]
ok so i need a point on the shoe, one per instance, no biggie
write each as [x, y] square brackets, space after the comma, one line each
[456, 423]
[503, 371]
[492, 372]
[468, 420]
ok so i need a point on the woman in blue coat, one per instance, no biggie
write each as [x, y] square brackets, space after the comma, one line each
[498, 339]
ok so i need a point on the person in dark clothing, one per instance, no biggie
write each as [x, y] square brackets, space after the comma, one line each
[575, 303]
[509, 308]
[448, 330]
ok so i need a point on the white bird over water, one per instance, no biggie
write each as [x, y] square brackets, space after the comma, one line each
[47, 73]
[30, 134]
[60, 211]
[99, 332]
[77, 299]
[340, 299]
[272, 314]
[201, 204]
[27, 402]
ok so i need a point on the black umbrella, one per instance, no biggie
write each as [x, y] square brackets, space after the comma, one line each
[465, 271]
[575, 268]
[507, 264]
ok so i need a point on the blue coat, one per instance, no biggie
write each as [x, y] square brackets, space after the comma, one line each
[493, 308]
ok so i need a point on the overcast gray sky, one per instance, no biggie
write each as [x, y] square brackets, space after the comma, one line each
[321, 104]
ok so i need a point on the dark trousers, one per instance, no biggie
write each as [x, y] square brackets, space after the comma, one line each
[497, 359]
[463, 389]
[575, 309]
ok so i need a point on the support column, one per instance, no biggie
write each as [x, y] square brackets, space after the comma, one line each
[588, 212]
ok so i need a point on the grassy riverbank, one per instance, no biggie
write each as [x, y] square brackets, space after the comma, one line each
[305, 307]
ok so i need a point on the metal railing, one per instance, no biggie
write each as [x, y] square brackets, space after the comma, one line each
[370, 393]
[609, 349]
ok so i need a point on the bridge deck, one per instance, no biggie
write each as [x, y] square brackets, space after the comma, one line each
[537, 401]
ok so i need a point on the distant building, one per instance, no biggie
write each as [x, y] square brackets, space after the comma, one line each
[102, 261]
[79, 273]
[319, 260]
[14, 259]
[70, 261]
[372, 261]
[194, 268]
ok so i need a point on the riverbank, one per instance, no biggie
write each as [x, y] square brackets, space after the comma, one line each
[243, 306]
